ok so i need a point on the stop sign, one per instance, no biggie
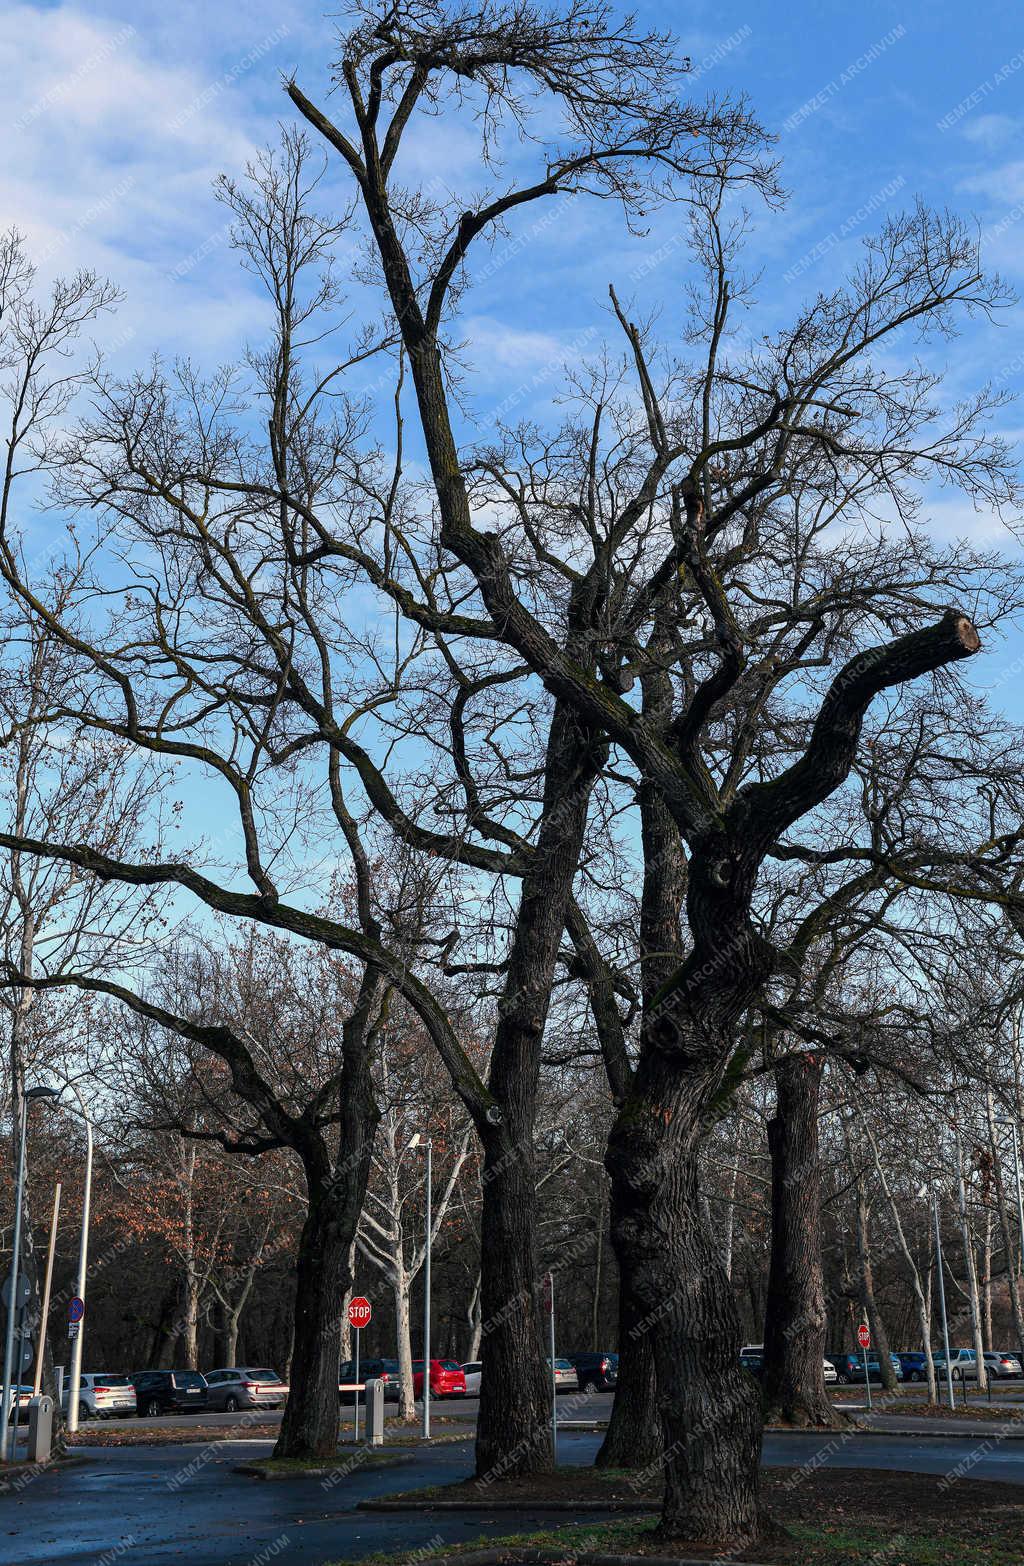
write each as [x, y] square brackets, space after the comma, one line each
[864, 1335]
[359, 1312]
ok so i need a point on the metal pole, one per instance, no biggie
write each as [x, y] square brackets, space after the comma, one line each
[426, 1301]
[355, 1428]
[942, 1298]
[12, 1306]
[83, 1260]
[1020, 1193]
[867, 1378]
[554, 1379]
[41, 1349]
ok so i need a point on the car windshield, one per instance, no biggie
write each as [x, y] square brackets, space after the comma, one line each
[187, 1379]
[450, 1364]
[112, 1381]
[562, 1364]
[264, 1375]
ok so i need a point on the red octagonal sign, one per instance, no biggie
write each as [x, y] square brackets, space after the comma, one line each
[359, 1312]
[863, 1335]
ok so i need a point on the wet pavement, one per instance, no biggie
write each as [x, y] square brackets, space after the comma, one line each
[153, 1506]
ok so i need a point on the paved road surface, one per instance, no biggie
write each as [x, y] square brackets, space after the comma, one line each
[154, 1506]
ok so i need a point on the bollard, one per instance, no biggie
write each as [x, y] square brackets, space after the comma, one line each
[375, 1412]
[40, 1428]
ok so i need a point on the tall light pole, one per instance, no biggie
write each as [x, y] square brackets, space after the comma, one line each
[420, 1141]
[12, 1302]
[930, 1190]
[83, 1261]
[1004, 1120]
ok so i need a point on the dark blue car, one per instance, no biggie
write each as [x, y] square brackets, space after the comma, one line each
[850, 1367]
[915, 1366]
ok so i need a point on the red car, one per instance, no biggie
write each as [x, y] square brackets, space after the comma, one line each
[447, 1378]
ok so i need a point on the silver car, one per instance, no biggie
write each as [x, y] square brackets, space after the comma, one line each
[1002, 1362]
[102, 1396]
[471, 1371]
[245, 1387]
[566, 1379]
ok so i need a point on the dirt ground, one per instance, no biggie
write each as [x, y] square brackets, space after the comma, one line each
[823, 1517]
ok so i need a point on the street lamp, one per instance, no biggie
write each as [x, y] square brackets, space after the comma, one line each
[1005, 1120]
[12, 1301]
[75, 1378]
[420, 1141]
[925, 1191]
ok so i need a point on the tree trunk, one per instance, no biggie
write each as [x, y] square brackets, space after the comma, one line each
[970, 1266]
[710, 1408]
[1012, 1282]
[795, 1317]
[323, 1272]
[403, 1342]
[513, 1430]
[514, 1425]
[922, 1299]
[634, 1436]
[879, 1336]
[309, 1428]
[475, 1319]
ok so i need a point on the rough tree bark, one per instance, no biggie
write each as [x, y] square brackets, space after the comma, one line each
[795, 1314]
[336, 1193]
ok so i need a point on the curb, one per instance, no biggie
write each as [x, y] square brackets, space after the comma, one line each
[984, 1428]
[555, 1557]
[569, 1508]
[314, 1470]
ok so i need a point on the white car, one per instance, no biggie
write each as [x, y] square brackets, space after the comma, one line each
[472, 1375]
[102, 1397]
[830, 1372]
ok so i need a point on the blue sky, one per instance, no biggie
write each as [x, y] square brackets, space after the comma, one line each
[120, 115]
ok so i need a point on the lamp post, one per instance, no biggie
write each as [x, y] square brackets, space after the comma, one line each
[930, 1190]
[83, 1259]
[12, 1302]
[1004, 1120]
[420, 1141]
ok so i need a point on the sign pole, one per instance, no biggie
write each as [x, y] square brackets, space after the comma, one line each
[864, 1339]
[355, 1434]
[41, 1349]
[554, 1376]
[359, 1313]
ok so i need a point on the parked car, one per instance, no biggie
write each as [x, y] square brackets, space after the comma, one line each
[102, 1397]
[752, 1359]
[447, 1378]
[915, 1365]
[850, 1367]
[472, 1375]
[243, 1387]
[1001, 1363]
[385, 1370]
[20, 1395]
[169, 1392]
[566, 1379]
[595, 1372]
[963, 1364]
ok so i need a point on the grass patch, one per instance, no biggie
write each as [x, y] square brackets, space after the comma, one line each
[338, 1467]
[831, 1517]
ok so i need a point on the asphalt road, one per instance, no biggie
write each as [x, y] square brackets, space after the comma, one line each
[154, 1506]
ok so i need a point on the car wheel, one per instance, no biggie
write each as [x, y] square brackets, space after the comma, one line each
[152, 1408]
[915, 1375]
[958, 1375]
[589, 1386]
[231, 1405]
[844, 1380]
[84, 1413]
